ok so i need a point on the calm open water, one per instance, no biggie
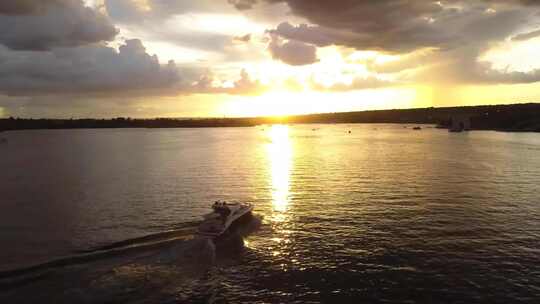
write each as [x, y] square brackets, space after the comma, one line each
[381, 214]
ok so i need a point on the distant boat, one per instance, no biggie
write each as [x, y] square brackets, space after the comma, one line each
[417, 128]
[223, 215]
[460, 123]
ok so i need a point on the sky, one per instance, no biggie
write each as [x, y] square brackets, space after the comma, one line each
[235, 58]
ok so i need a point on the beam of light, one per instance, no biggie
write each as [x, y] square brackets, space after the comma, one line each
[280, 155]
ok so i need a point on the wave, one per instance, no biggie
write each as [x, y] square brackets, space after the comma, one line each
[180, 242]
[185, 229]
[150, 242]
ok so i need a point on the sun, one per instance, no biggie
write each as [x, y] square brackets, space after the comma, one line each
[286, 103]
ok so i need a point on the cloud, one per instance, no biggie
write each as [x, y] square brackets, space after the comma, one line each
[358, 83]
[203, 25]
[139, 12]
[87, 70]
[461, 66]
[303, 32]
[243, 38]
[243, 4]
[292, 52]
[245, 85]
[526, 36]
[48, 24]
[28, 7]
[413, 60]
[456, 33]
[50, 48]
[401, 26]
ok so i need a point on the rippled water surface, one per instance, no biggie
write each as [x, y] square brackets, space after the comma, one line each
[380, 214]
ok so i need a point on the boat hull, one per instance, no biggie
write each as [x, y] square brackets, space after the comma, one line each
[216, 224]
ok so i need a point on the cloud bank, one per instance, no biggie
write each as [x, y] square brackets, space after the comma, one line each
[456, 32]
[42, 25]
[52, 48]
[85, 70]
[292, 52]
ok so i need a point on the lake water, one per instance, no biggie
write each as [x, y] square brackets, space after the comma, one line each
[380, 214]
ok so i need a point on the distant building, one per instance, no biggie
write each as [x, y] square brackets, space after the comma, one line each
[460, 123]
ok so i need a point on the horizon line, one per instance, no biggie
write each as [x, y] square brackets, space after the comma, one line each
[269, 116]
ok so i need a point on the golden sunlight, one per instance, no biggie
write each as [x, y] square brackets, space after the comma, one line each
[143, 5]
[515, 56]
[215, 23]
[282, 103]
[280, 156]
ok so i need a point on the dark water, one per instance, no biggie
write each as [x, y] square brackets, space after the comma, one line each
[383, 214]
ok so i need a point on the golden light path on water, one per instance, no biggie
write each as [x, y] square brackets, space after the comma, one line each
[280, 157]
[280, 153]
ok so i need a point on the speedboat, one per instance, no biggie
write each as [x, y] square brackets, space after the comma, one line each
[224, 214]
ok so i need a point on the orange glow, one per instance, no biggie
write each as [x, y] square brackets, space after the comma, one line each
[283, 103]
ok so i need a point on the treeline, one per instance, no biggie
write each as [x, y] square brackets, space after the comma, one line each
[517, 117]
[121, 122]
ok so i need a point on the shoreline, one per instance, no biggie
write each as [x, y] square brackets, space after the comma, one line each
[504, 118]
[511, 130]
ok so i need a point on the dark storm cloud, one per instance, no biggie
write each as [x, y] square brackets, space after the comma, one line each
[86, 70]
[401, 26]
[25, 7]
[457, 32]
[42, 25]
[292, 52]
[102, 71]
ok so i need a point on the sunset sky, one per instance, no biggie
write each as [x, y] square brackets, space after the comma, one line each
[185, 58]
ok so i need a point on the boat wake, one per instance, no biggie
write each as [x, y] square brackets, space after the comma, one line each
[158, 265]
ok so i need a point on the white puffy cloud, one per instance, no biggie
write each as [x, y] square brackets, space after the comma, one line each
[86, 70]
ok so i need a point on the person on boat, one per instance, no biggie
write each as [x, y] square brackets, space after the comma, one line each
[221, 208]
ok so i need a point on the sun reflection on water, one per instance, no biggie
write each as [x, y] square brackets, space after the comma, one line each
[280, 157]
[280, 160]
